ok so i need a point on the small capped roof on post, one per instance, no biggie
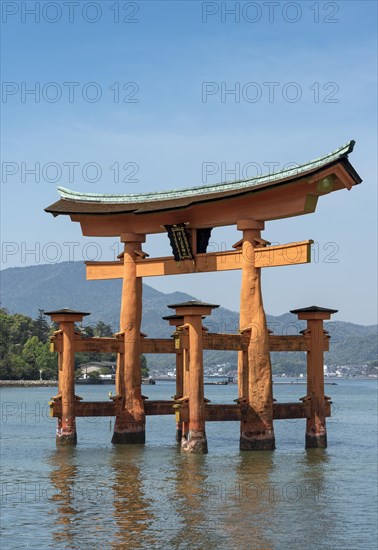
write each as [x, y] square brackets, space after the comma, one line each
[312, 309]
[172, 317]
[176, 317]
[193, 303]
[66, 311]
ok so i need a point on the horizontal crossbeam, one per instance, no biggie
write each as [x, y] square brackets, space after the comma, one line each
[269, 256]
[87, 408]
[211, 341]
[214, 412]
[226, 413]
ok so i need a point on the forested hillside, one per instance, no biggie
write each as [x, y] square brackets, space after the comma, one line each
[27, 290]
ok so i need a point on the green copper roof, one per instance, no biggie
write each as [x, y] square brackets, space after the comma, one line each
[343, 151]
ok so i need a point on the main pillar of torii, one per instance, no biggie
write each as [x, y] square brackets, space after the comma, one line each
[255, 377]
[130, 424]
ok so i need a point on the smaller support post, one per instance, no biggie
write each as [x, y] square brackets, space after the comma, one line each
[66, 429]
[195, 440]
[243, 369]
[185, 391]
[316, 432]
[176, 321]
[119, 382]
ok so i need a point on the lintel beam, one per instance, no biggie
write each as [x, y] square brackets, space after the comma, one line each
[269, 256]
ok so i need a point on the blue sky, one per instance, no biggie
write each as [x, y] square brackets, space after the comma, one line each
[121, 106]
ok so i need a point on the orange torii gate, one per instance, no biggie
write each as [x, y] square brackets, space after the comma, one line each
[189, 215]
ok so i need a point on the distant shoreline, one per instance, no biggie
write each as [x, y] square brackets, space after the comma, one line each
[28, 383]
[54, 383]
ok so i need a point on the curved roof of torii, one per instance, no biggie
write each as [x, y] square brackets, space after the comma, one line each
[164, 204]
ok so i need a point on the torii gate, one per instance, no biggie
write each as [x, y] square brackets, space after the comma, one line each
[249, 204]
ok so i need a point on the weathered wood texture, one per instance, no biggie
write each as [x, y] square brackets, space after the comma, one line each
[156, 408]
[66, 430]
[211, 341]
[231, 412]
[157, 345]
[213, 412]
[316, 431]
[86, 345]
[130, 424]
[196, 389]
[257, 427]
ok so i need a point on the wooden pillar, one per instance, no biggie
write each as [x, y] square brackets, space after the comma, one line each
[316, 431]
[67, 433]
[185, 361]
[179, 387]
[130, 424]
[66, 429]
[119, 379]
[243, 371]
[195, 440]
[176, 321]
[197, 432]
[257, 426]
[60, 366]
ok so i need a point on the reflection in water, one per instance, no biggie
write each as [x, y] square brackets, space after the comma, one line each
[217, 505]
[193, 494]
[142, 499]
[158, 498]
[62, 475]
[320, 500]
[254, 499]
[131, 508]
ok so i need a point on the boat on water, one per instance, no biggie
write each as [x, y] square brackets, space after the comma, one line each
[149, 380]
[217, 380]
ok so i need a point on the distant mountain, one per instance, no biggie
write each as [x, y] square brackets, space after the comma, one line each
[51, 286]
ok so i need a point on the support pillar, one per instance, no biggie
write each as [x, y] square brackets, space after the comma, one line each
[130, 424]
[186, 389]
[195, 440]
[119, 378]
[243, 371]
[256, 431]
[66, 428]
[316, 431]
[176, 321]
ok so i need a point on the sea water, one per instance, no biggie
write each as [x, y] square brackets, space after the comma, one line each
[98, 495]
